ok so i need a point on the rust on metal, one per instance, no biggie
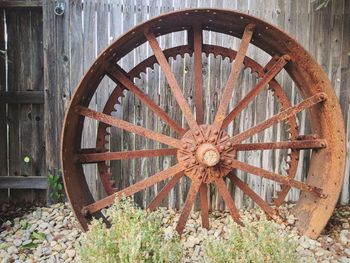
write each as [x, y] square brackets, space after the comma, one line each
[205, 152]
[108, 156]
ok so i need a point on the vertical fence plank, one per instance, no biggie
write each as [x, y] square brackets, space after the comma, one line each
[37, 114]
[344, 95]
[165, 97]
[89, 54]
[3, 112]
[128, 139]
[56, 80]
[102, 36]
[115, 142]
[18, 117]
[141, 110]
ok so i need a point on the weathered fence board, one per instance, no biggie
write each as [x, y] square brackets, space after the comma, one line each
[3, 121]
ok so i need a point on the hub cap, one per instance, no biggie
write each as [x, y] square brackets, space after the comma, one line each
[206, 153]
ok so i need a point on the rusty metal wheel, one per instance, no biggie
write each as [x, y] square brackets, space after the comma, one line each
[206, 153]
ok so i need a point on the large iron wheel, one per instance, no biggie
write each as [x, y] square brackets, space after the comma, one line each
[205, 152]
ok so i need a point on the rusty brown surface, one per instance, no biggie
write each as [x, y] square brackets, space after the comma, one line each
[205, 153]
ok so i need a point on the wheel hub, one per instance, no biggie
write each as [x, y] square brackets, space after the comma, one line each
[206, 154]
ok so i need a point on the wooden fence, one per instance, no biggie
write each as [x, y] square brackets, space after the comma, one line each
[72, 41]
[22, 142]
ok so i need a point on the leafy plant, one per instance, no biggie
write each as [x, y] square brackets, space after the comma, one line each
[56, 187]
[34, 236]
[38, 236]
[259, 241]
[24, 223]
[135, 235]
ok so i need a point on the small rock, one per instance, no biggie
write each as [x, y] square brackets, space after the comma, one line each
[71, 253]
[38, 252]
[33, 227]
[168, 233]
[17, 242]
[347, 251]
[197, 250]
[337, 247]
[344, 237]
[319, 253]
[37, 214]
[305, 244]
[346, 225]
[43, 225]
[64, 256]
[344, 260]
[26, 242]
[329, 240]
[57, 248]
[12, 250]
[53, 243]
[191, 242]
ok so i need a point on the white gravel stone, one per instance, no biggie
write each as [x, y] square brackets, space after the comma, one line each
[347, 251]
[58, 225]
[12, 250]
[17, 242]
[346, 225]
[71, 253]
[344, 237]
[344, 260]
[43, 225]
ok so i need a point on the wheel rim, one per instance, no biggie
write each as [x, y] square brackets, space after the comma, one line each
[201, 155]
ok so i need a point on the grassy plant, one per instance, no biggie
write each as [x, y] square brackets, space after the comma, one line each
[259, 241]
[135, 236]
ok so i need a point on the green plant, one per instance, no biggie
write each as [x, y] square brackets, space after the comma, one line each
[24, 223]
[135, 235]
[56, 188]
[259, 241]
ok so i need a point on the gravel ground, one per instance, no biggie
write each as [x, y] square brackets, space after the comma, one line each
[49, 234]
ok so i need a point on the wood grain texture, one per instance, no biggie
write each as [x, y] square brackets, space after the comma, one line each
[21, 182]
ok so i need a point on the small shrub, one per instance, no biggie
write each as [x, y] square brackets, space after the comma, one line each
[135, 236]
[56, 188]
[259, 241]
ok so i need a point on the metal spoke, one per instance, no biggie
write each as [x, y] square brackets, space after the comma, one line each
[203, 194]
[275, 177]
[273, 213]
[272, 72]
[191, 196]
[137, 187]
[164, 192]
[163, 62]
[99, 116]
[235, 70]
[118, 75]
[291, 111]
[104, 156]
[198, 73]
[296, 144]
[225, 194]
